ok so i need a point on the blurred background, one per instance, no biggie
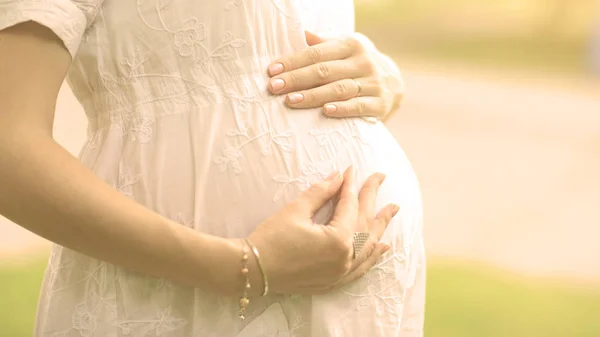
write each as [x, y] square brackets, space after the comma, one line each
[502, 122]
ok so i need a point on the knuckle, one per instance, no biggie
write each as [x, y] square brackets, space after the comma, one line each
[310, 96]
[355, 44]
[340, 89]
[361, 107]
[344, 47]
[293, 78]
[315, 54]
[323, 71]
[367, 65]
[290, 63]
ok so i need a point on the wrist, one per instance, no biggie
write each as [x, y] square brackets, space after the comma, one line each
[226, 275]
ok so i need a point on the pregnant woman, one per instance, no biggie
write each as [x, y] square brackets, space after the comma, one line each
[205, 202]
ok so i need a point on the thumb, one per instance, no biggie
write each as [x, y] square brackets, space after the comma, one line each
[313, 39]
[318, 194]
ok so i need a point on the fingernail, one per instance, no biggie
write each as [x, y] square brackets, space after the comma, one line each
[277, 84]
[333, 176]
[330, 108]
[295, 98]
[382, 177]
[275, 69]
[396, 209]
[386, 247]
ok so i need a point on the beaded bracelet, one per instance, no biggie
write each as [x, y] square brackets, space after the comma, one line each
[260, 266]
[244, 300]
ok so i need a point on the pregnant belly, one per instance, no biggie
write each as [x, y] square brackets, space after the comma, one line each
[225, 171]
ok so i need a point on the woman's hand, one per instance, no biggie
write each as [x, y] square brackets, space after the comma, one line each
[302, 257]
[347, 77]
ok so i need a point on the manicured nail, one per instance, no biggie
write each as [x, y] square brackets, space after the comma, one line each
[277, 84]
[295, 98]
[333, 176]
[330, 108]
[396, 209]
[275, 69]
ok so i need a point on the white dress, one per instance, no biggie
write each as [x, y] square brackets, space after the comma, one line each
[180, 121]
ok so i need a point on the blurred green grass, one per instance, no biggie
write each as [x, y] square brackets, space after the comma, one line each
[463, 300]
[538, 36]
[19, 290]
[474, 300]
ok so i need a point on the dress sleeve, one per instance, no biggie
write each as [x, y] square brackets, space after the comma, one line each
[68, 19]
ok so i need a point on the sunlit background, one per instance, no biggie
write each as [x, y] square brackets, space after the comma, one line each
[502, 122]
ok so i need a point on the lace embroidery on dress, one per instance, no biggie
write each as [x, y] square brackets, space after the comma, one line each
[137, 82]
[379, 287]
[232, 154]
[189, 41]
[231, 3]
[164, 321]
[309, 175]
[126, 181]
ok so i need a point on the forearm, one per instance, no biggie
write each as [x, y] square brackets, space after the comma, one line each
[47, 191]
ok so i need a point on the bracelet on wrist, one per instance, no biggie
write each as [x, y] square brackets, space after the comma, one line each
[244, 300]
[260, 266]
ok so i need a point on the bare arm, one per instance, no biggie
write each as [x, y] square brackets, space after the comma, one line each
[44, 189]
[47, 191]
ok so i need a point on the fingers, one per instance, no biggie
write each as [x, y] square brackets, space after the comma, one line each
[311, 200]
[382, 220]
[367, 196]
[356, 107]
[370, 261]
[320, 52]
[365, 253]
[341, 90]
[312, 38]
[345, 214]
[312, 76]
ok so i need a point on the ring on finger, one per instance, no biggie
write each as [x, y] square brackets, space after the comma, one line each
[359, 239]
[359, 88]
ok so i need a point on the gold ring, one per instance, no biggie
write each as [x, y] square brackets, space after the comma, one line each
[358, 86]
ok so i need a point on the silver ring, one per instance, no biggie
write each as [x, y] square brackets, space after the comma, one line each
[359, 87]
[358, 242]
